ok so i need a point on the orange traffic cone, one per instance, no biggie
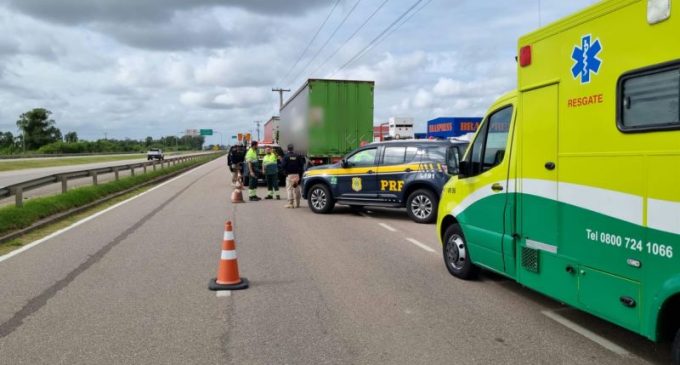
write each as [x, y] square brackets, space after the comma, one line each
[237, 194]
[227, 272]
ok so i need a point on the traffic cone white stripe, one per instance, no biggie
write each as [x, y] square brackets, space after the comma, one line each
[228, 255]
[229, 235]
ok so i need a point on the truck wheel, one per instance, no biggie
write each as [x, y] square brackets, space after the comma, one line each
[421, 206]
[675, 359]
[456, 254]
[320, 199]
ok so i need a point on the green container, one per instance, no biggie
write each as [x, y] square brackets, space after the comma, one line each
[326, 119]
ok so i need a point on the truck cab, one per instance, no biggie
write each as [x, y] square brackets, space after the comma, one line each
[570, 185]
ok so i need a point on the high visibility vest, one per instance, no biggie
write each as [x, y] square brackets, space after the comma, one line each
[269, 163]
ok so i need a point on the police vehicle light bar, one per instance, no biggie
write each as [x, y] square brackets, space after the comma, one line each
[525, 56]
[658, 10]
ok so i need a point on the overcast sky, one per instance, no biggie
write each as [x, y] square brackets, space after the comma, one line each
[137, 68]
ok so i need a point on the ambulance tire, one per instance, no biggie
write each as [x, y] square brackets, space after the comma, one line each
[456, 255]
[320, 200]
[426, 211]
[675, 359]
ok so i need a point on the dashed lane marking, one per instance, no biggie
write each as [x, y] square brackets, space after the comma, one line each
[421, 245]
[87, 219]
[388, 227]
[587, 334]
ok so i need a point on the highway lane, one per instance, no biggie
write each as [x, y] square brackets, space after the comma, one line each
[16, 176]
[131, 287]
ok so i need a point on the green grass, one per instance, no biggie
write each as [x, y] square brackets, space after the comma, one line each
[13, 218]
[10, 165]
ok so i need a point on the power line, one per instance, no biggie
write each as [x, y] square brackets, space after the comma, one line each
[370, 44]
[350, 37]
[404, 22]
[313, 38]
[327, 40]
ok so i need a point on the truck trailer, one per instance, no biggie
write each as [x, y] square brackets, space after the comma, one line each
[326, 119]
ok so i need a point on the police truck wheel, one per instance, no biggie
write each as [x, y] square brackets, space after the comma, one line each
[675, 360]
[320, 199]
[456, 254]
[421, 206]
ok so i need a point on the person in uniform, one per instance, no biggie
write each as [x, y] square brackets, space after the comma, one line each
[270, 169]
[251, 169]
[293, 166]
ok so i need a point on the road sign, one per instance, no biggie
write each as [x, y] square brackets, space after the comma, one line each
[206, 132]
[233, 137]
[191, 132]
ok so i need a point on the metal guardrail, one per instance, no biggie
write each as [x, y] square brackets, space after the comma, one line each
[18, 189]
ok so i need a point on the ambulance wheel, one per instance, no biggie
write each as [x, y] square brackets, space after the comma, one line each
[456, 254]
[320, 199]
[421, 206]
[675, 360]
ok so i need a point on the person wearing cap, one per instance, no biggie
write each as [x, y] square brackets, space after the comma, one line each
[270, 170]
[293, 166]
[251, 169]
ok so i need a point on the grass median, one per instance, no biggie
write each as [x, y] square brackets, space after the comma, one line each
[13, 218]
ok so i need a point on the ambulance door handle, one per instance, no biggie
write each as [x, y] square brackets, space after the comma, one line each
[550, 165]
[497, 187]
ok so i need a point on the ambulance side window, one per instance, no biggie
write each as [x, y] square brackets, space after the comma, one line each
[650, 99]
[488, 149]
[475, 154]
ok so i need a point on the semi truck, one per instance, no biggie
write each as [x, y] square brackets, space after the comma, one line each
[326, 119]
[570, 186]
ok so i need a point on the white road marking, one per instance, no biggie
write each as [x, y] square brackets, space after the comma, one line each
[587, 333]
[387, 227]
[421, 245]
[87, 219]
[364, 215]
[223, 293]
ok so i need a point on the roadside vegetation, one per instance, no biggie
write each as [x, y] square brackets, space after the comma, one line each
[37, 133]
[13, 218]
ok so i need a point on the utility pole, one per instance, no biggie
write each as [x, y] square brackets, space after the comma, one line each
[257, 123]
[280, 91]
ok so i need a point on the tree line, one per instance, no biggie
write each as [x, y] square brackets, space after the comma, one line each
[38, 133]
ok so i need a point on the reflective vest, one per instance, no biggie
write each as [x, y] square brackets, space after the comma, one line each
[269, 163]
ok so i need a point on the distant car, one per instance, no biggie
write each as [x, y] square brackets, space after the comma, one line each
[396, 174]
[155, 154]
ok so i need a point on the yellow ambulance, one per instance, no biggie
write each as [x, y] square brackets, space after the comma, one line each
[571, 185]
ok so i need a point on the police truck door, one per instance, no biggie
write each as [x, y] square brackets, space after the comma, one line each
[358, 180]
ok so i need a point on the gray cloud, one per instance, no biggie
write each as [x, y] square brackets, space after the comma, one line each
[148, 11]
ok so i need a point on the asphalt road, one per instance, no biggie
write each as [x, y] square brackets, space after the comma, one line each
[130, 286]
[16, 176]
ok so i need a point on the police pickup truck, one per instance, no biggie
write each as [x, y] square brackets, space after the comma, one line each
[394, 174]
